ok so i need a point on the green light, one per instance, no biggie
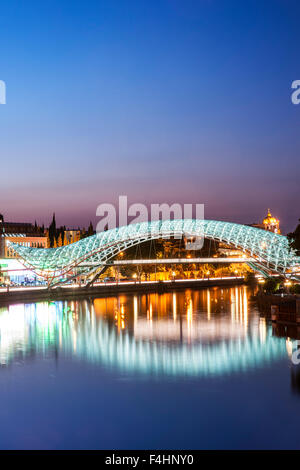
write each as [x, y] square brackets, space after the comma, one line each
[270, 249]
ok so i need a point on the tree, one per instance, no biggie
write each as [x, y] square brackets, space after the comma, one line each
[52, 231]
[63, 233]
[90, 230]
[60, 236]
[272, 285]
[60, 240]
[294, 239]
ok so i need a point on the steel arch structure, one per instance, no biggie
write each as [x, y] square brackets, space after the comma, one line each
[87, 256]
[44, 327]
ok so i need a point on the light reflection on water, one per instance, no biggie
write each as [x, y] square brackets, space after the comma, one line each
[192, 333]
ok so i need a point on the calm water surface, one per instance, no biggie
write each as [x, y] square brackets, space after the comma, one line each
[185, 370]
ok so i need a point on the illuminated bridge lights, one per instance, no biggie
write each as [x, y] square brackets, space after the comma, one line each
[270, 250]
[42, 328]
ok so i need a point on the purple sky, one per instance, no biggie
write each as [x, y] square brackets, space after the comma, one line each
[163, 101]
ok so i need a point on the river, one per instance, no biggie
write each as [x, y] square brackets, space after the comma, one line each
[199, 369]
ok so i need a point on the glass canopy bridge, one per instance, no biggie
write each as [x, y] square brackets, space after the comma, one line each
[48, 328]
[87, 258]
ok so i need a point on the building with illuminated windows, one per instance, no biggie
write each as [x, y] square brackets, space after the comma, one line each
[72, 236]
[21, 239]
[270, 223]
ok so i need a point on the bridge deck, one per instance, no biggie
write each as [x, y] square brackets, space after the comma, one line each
[180, 261]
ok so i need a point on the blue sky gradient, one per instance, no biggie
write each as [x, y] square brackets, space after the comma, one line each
[165, 101]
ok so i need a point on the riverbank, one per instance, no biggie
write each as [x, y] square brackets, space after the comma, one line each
[28, 295]
[284, 311]
[285, 304]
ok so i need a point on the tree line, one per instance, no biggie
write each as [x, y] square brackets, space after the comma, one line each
[57, 234]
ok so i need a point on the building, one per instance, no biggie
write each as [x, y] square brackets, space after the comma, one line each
[21, 239]
[72, 236]
[270, 223]
[12, 272]
[25, 234]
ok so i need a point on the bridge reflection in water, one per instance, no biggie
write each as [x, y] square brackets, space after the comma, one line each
[191, 333]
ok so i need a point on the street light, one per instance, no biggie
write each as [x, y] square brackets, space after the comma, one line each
[288, 284]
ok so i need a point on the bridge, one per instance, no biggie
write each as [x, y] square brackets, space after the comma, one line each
[87, 258]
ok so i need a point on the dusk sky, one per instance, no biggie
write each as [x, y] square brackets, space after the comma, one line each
[162, 101]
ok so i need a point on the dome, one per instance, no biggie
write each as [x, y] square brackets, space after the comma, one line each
[270, 222]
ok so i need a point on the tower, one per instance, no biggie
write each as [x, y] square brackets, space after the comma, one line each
[270, 223]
